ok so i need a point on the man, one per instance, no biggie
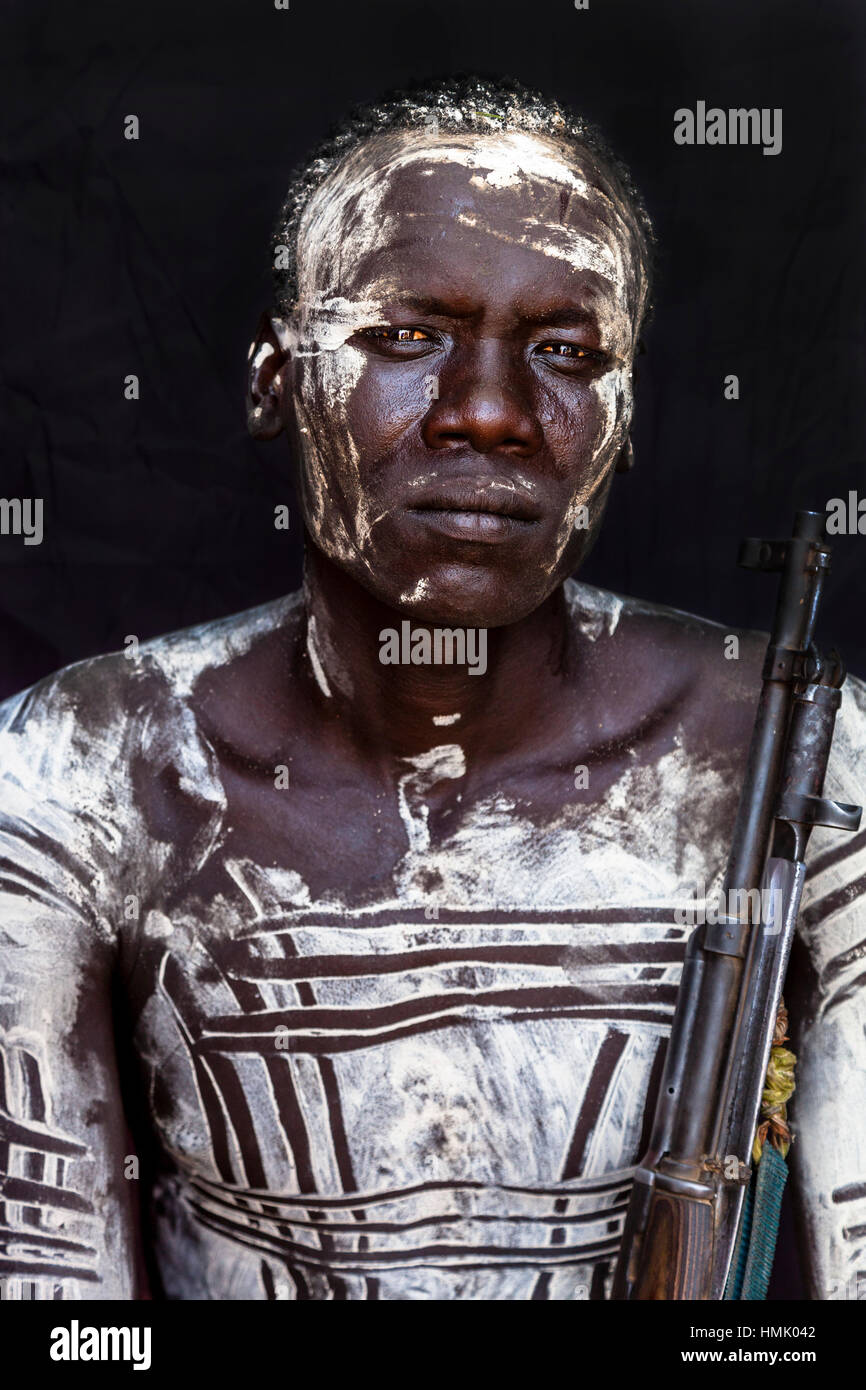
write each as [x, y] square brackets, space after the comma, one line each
[399, 934]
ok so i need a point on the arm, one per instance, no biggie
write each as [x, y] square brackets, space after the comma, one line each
[67, 1210]
[828, 1110]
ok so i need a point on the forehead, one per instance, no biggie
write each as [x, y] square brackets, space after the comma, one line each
[460, 200]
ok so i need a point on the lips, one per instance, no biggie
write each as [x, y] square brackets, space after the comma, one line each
[487, 527]
[500, 498]
[465, 509]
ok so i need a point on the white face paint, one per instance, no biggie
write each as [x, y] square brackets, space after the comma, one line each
[614, 392]
[418, 591]
[348, 223]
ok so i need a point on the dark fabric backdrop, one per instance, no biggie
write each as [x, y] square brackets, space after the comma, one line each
[151, 257]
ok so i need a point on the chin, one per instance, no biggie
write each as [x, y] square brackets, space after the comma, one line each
[469, 603]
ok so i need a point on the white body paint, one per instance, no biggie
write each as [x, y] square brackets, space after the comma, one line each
[486, 1027]
[315, 659]
[428, 768]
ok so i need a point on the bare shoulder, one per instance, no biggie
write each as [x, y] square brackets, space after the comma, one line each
[213, 652]
[103, 741]
[94, 694]
[656, 658]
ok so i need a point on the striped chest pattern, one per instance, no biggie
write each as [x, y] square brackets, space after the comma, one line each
[381, 1097]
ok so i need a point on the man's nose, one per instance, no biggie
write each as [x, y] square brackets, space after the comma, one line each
[486, 401]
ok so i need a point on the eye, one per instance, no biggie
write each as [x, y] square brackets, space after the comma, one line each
[568, 353]
[399, 335]
[400, 340]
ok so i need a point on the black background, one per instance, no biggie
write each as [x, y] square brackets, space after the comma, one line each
[151, 257]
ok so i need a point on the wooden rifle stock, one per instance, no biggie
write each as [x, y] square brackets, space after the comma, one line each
[670, 1258]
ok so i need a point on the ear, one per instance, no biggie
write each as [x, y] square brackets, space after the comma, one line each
[267, 382]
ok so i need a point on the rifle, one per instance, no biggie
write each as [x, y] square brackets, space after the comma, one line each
[683, 1217]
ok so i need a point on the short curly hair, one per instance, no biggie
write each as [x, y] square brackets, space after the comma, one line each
[460, 103]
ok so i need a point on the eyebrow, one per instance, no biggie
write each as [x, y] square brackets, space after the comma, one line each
[568, 316]
[563, 316]
[429, 304]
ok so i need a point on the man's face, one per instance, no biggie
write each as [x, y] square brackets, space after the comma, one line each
[461, 365]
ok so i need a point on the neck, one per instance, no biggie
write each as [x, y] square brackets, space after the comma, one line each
[489, 705]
